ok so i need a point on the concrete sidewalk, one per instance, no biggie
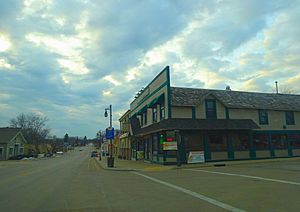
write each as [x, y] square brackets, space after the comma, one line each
[130, 165]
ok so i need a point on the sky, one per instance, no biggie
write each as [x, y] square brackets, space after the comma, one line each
[68, 60]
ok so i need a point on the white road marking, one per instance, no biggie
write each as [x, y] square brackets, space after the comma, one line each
[192, 193]
[246, 176]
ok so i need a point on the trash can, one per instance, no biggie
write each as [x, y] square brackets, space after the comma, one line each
[110, 162]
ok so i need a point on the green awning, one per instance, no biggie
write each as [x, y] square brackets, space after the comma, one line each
[142, 110]
[153, 102]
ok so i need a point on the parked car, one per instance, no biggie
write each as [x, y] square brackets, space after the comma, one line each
[94, 154]
[17, 157]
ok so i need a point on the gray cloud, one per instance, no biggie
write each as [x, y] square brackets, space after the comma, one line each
[248, 45]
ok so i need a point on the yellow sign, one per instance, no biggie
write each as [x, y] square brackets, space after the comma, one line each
[170, 146]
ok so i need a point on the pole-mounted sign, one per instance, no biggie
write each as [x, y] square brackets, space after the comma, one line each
[110, 133]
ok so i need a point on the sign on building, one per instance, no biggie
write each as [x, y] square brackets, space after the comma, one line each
[196, 157]
[169, 145]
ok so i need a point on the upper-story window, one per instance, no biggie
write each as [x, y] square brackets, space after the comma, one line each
[211, 110]
[263, 117]
[162, 112]
[145, 117]
[289, 117]
[142, 119]
[154, 114]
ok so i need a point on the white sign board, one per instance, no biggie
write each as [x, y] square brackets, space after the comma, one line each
[170, 145]
[196, 157]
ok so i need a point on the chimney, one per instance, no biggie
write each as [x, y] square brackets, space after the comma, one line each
[276, 87]
[228, 88]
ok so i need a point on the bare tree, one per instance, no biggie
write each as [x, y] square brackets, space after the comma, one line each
[287, 90]
[32, 126]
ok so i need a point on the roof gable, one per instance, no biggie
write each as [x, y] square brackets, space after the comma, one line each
[7, 134]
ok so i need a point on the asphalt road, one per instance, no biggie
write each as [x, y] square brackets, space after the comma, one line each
[75, 182]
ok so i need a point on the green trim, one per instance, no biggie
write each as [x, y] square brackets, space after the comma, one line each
[252, 150]
[150, 95]
[207, 153]
[193, 112]
[154, 101]
[275, 131]
[271, 147]
[160, 73]
[169, 92]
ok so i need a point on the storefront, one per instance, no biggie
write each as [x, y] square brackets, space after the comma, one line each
[218, 145]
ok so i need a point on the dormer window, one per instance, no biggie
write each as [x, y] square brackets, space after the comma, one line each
[211, 110]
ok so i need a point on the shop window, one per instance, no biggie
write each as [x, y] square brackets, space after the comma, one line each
[279, 141]
[211, 111]
[240, 142]
[260, 142]
[289, 117]
[1, 151]
[155, 142]
[154, 114]
[193, 142]
[162, 112]
[217, 142]
[295, 140]
[263, 117]
[11, 150]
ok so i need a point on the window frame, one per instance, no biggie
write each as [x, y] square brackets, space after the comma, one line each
[145, 117]
[261, 114]
[154, 114]
[212, 112]
[289, 120]
[11, 151]
[162, 112]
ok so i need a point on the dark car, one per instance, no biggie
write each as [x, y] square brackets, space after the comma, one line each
[17, 157]
[94, 154]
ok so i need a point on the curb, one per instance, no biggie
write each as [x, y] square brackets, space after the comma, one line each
[115, 168]
[204, 165]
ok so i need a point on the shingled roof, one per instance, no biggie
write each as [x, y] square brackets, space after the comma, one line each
[236, 99]
[7, 134]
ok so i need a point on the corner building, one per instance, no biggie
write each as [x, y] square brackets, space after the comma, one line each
[225, 124]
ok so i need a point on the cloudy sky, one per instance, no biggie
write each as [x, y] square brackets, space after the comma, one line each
[70, 59]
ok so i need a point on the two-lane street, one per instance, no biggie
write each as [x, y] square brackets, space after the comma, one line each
[76, 182]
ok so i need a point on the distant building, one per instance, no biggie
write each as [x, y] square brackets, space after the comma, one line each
[11, 143]
[125, 137]
[224, 124]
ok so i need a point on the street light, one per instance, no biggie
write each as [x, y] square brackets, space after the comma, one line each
[110, 160]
